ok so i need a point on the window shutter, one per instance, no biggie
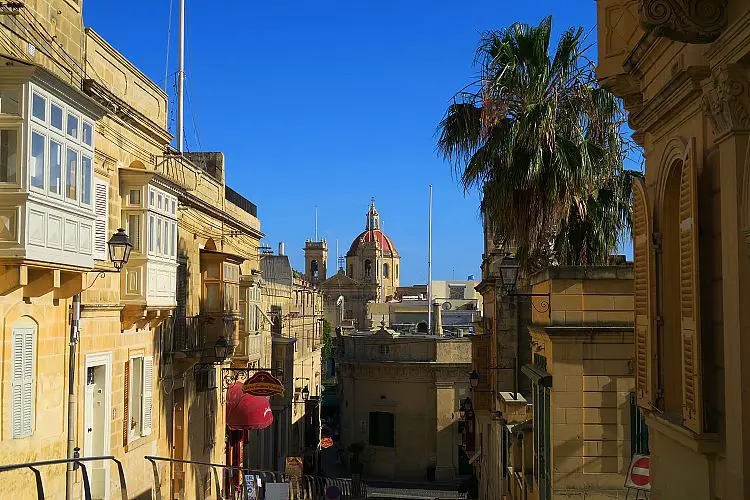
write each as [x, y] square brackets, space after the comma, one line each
[148, 384]
[126, 405]
[22, 383]
[644, 313]
[689, 294]
[101, 208]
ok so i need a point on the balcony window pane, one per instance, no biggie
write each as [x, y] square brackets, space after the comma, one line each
[173, 207]
[39, 107]
[158, 203]
[72, 125]
[55, 168]
[71, 175]
[8, 155]
[212, 297]
[85, 180]
[56, 116]
[36, 166]
[212, 270]
[166, 238]
[88, 134]
[173, 239]
[135, 197]
[9, 103]
[151, 198]
[158, 236]
[134, 231]
[150, 233]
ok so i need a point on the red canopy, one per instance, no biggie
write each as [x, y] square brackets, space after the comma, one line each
[245, 411]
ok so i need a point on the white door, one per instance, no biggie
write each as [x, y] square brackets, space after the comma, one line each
[96, 430]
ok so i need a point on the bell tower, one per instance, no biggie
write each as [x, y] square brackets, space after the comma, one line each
[316, 261]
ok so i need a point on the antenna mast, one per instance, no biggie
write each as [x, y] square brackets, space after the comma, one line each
[181, 79]
[316, 222]
[429, 268]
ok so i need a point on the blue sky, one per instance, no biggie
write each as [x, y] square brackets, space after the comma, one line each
[329, 103]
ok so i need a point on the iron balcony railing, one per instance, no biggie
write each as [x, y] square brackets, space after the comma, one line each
[78, 462]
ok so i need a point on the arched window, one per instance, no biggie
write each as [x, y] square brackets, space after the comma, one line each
[396, 271]
[314, 269]
[368, 268]
[385, 269]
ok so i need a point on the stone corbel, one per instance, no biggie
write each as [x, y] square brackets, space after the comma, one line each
[689, 21]
[726, 100]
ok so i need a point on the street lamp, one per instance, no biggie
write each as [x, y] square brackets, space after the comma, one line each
[509, 273]
[466, 408]
[305, 393]
[221, 349]
[119, 248]
[474, 379]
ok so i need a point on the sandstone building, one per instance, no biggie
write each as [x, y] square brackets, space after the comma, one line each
[682, 70]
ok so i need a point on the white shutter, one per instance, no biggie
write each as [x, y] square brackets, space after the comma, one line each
[148, 384]
[101, 208]
[22, 383]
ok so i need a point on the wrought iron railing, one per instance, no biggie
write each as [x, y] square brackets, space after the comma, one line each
[304, 488]
[78, 462]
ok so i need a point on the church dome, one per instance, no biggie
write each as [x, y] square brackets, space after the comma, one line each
[382, 240]
[372, 233]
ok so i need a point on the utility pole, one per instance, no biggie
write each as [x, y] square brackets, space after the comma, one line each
[429, 269]
[75, 321]
[181, 81]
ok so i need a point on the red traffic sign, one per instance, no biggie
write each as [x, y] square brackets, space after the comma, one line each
[326, 442]
[639, 474]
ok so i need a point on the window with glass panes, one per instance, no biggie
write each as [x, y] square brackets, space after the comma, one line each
[221, 284]
[162, 222]
[61, 149]
[542, 455]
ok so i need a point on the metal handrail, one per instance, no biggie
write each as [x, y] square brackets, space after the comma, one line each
[306, 488]
[78, 463]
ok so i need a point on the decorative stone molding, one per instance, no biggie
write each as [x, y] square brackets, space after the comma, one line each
[726, 100]
[689, 21]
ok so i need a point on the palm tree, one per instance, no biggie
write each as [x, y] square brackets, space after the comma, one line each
[544, 145]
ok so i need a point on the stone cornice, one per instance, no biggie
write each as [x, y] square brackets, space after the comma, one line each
[726, 100]
[672, 98]
[689, 21]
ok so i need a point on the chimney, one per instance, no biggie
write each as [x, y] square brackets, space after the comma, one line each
[281, 248]
[437, 319]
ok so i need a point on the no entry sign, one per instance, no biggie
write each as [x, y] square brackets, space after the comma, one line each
[639, 474]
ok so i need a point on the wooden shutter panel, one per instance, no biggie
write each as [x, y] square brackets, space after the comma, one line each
[644, 313]
[28, 381]
[126, 405]
[101, 208]
[692, 408]
[17, 387]
[22, 383]
[148, 384]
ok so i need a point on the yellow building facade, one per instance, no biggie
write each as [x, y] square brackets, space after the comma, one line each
[683, 74]
[400, 397]
[85, 151]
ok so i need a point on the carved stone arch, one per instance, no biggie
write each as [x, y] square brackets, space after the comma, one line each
[210, 245]
[137, 164]
[671, 158]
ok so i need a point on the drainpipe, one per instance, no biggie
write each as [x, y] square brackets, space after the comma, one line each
[72, 399]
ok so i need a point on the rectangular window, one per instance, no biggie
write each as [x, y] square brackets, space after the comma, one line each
[85, 180]
[36, 166]
[71, 175]
[72, 125]
[88, 134]
[135, 197]
[158, 202]
[8, 155]
[22, 383]
[139, 394]
[134, 231]
[212, 297]
[158, 236]
[151, 199]
[56, 116]
[173, 239]
[39, 107]
[173, 207]
[382, 429]
[150, 233]
[9, 102]
[638, 429]
[55, 168]
[166, 239]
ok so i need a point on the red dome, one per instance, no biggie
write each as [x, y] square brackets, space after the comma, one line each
[368, 236]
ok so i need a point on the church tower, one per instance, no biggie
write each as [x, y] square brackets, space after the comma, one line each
[316, 261]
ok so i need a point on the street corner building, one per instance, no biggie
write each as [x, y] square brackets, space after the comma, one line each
[125, 267]
[400, 397]
[682, 70]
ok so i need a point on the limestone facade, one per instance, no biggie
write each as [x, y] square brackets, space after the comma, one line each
[681, 68]
[128, 367]
[400, 397]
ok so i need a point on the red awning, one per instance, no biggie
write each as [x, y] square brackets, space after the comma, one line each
[245, 411]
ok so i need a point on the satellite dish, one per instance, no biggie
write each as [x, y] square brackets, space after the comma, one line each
[447, 306]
